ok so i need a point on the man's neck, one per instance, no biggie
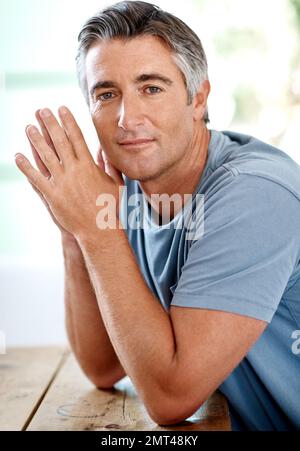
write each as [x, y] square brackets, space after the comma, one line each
[184, 178]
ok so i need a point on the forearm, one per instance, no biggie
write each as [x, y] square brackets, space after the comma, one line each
[138, 326]
[86, 331]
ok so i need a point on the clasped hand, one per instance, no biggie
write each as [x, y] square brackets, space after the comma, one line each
[68, 178]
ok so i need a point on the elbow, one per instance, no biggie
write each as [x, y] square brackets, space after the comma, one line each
[163, 418]
[101, 375]
[103, 382]
[166, 412]
[167, 420]
[173, 405]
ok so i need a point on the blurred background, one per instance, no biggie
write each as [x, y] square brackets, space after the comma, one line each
[253, 52]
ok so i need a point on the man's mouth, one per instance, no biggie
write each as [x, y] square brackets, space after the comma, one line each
[136, 144]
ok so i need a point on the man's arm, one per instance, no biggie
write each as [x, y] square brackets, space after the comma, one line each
[85, 329]
[86, 332]
[177, 360]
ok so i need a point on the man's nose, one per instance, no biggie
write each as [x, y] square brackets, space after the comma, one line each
[130, 114]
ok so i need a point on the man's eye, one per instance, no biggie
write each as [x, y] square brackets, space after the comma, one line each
[105, 96]
[154, 89]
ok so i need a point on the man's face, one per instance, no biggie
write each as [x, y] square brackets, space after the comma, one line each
[138, 93]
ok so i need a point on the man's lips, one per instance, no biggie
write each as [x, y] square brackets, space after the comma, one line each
[135, 142]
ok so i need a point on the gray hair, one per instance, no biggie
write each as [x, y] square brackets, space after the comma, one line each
[130, 19]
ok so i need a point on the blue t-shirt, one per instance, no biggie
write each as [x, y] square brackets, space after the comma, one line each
[246, 260]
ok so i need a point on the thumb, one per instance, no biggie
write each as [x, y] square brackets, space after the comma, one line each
[110, 170]
[100, 159]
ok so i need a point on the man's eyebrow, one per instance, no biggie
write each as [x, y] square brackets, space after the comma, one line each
[143, 77]
[102, 84]
[153, 76]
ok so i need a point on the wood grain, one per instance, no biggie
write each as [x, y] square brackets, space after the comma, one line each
[73, 403]
[25, 374]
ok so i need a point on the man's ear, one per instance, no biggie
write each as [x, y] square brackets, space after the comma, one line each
[200, 100]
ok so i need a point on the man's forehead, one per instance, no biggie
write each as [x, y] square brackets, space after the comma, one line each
[101, 64]
[143, 49]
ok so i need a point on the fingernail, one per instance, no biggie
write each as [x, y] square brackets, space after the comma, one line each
[31, 129]
[63, 110]
[45, 112]
[19, 158]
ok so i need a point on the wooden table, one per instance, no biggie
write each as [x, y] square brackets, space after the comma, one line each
[45, 389]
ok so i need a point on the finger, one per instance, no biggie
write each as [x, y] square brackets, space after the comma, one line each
[47, 155]
[74, 133]
[36, 190]
[39, 193]
[100, 161]
[45, 131]
[58, 136]
[38, 161]
[110, 170]
[35, 177]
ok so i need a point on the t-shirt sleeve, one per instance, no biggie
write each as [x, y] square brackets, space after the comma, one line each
[248, 251]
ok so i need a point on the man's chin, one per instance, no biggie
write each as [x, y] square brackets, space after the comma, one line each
[140, 176]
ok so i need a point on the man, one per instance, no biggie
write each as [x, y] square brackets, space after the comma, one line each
[181, 313]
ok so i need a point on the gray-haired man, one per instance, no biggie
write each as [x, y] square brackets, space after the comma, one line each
[180, 316]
